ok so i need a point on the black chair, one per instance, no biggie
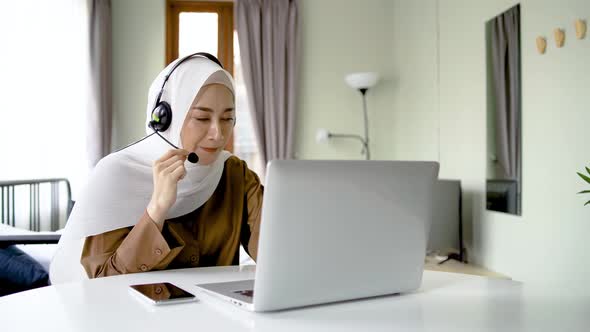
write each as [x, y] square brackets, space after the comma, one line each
[30, 191]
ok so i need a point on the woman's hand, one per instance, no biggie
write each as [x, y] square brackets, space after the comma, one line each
[167, 171]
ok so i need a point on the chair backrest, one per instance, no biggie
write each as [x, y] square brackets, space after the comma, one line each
[36, 204]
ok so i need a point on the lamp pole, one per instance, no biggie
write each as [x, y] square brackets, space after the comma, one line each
[366, 117]
[361, 82]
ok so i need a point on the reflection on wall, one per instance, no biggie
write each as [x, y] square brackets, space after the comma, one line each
[504, 112]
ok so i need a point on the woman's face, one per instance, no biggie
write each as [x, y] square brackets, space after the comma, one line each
[209, 123]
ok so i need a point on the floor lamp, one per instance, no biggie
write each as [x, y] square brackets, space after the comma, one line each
[361, 82]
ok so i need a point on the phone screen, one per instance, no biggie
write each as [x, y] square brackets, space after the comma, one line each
[163, 292]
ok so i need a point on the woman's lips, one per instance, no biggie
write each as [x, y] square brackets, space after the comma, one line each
[211, 150]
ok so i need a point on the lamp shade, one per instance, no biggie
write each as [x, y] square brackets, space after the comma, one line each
[361, 80]
[322, 135]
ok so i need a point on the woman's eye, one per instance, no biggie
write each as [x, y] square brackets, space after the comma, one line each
[202, 119]
[228, 119]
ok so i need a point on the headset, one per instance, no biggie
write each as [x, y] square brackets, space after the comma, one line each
[161, 118]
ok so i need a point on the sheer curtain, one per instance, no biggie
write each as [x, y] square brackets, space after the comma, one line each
[506, 72]
[245, 144]
[268, 31]
[44, 90]
[100, 102]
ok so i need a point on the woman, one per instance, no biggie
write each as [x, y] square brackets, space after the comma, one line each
[147, 208]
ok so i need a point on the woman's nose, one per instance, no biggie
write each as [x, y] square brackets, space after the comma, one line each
[215, 131]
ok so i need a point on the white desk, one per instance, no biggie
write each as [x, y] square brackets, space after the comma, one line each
[446, 302]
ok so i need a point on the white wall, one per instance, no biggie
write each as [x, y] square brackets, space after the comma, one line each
[548, 242]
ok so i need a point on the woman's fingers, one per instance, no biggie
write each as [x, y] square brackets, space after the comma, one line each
[178, 173]
[171, 153]
[169, 158]
[167, 171]
[170, 169]
[166, 163]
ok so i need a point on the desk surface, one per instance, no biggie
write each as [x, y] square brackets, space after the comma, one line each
[446, 302]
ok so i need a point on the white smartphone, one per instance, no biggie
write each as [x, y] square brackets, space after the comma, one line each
[162, 293]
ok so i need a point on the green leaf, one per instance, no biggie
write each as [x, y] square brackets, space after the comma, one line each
[584, 192]
[587, 179]
[587, 203]
[588, 170]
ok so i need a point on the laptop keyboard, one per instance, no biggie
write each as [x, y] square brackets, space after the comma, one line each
[247, 292]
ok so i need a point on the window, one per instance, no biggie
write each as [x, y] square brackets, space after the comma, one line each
[43, 89]
[208, 27]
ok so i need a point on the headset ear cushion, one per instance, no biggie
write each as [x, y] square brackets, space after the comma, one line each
[161, 116]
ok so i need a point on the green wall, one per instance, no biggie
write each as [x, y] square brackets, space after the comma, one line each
[138, 56]
[430, 105]
[548, 242]
[341, 37]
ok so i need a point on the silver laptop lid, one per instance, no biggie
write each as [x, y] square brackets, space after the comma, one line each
[340, 230]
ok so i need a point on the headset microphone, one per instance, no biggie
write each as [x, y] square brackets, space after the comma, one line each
[192, 157]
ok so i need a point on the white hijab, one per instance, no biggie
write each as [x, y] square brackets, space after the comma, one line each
[120, 186]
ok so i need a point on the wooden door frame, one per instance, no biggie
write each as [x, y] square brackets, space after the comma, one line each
[225, 27]
[225, 24]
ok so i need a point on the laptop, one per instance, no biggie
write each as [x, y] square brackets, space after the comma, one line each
[335, 231]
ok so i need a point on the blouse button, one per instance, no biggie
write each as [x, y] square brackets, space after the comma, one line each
[143, 267]
[158, 251]
[194, 258]
[158, 290]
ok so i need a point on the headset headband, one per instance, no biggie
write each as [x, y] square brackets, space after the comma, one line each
[190, 56]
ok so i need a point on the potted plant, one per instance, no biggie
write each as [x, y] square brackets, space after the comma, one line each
[587, 179]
